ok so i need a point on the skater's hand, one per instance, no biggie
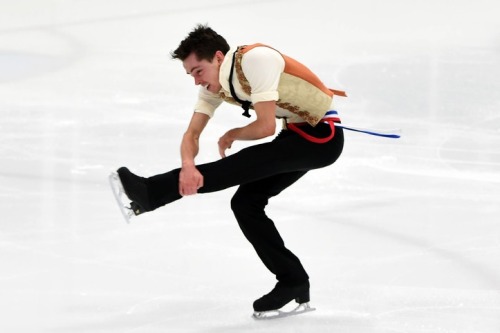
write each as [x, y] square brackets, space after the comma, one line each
[190, 180]
[224, 143]
[263, 127]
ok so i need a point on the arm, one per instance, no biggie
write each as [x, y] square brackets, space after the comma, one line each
[190, 179]
[263, 126]
[262, 67]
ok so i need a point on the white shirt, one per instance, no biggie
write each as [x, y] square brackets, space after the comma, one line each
[262, 67]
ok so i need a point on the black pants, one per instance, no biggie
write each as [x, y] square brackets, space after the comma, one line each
[262, 171]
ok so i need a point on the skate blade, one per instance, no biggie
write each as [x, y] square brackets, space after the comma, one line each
[120, 196]
[275, 314]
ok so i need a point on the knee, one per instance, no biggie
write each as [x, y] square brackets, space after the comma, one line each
[243, 203]
[239, 203]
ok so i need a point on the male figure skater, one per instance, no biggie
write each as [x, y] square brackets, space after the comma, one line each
[274, 85]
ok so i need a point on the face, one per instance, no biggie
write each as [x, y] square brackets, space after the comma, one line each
[204, 72]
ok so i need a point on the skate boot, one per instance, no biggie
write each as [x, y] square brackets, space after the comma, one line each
[136, 190]
[281, 295]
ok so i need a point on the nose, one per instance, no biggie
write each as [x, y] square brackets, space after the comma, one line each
[197, 81]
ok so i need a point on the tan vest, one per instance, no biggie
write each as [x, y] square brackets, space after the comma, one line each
[300, 90]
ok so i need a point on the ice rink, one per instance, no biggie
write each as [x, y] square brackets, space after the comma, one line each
[398, 236]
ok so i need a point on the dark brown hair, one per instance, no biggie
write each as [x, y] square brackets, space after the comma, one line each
[203, 41]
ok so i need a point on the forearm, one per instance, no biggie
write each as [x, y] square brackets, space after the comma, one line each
[190, 179]
[189, 149]
[253, 131]
[190, 139]
[262, 127]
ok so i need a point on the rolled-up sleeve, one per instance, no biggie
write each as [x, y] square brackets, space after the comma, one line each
[263, 67]
[207, 102]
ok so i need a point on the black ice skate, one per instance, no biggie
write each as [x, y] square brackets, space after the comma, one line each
[270, 306]
[125, 183]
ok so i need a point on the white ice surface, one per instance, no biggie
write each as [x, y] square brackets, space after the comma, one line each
[398, 235]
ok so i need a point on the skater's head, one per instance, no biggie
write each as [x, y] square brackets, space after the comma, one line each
[203, 41]
[201, 53]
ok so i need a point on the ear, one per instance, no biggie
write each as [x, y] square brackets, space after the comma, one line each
[219, 56]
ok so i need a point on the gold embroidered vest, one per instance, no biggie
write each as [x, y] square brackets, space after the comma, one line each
[300, 90]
